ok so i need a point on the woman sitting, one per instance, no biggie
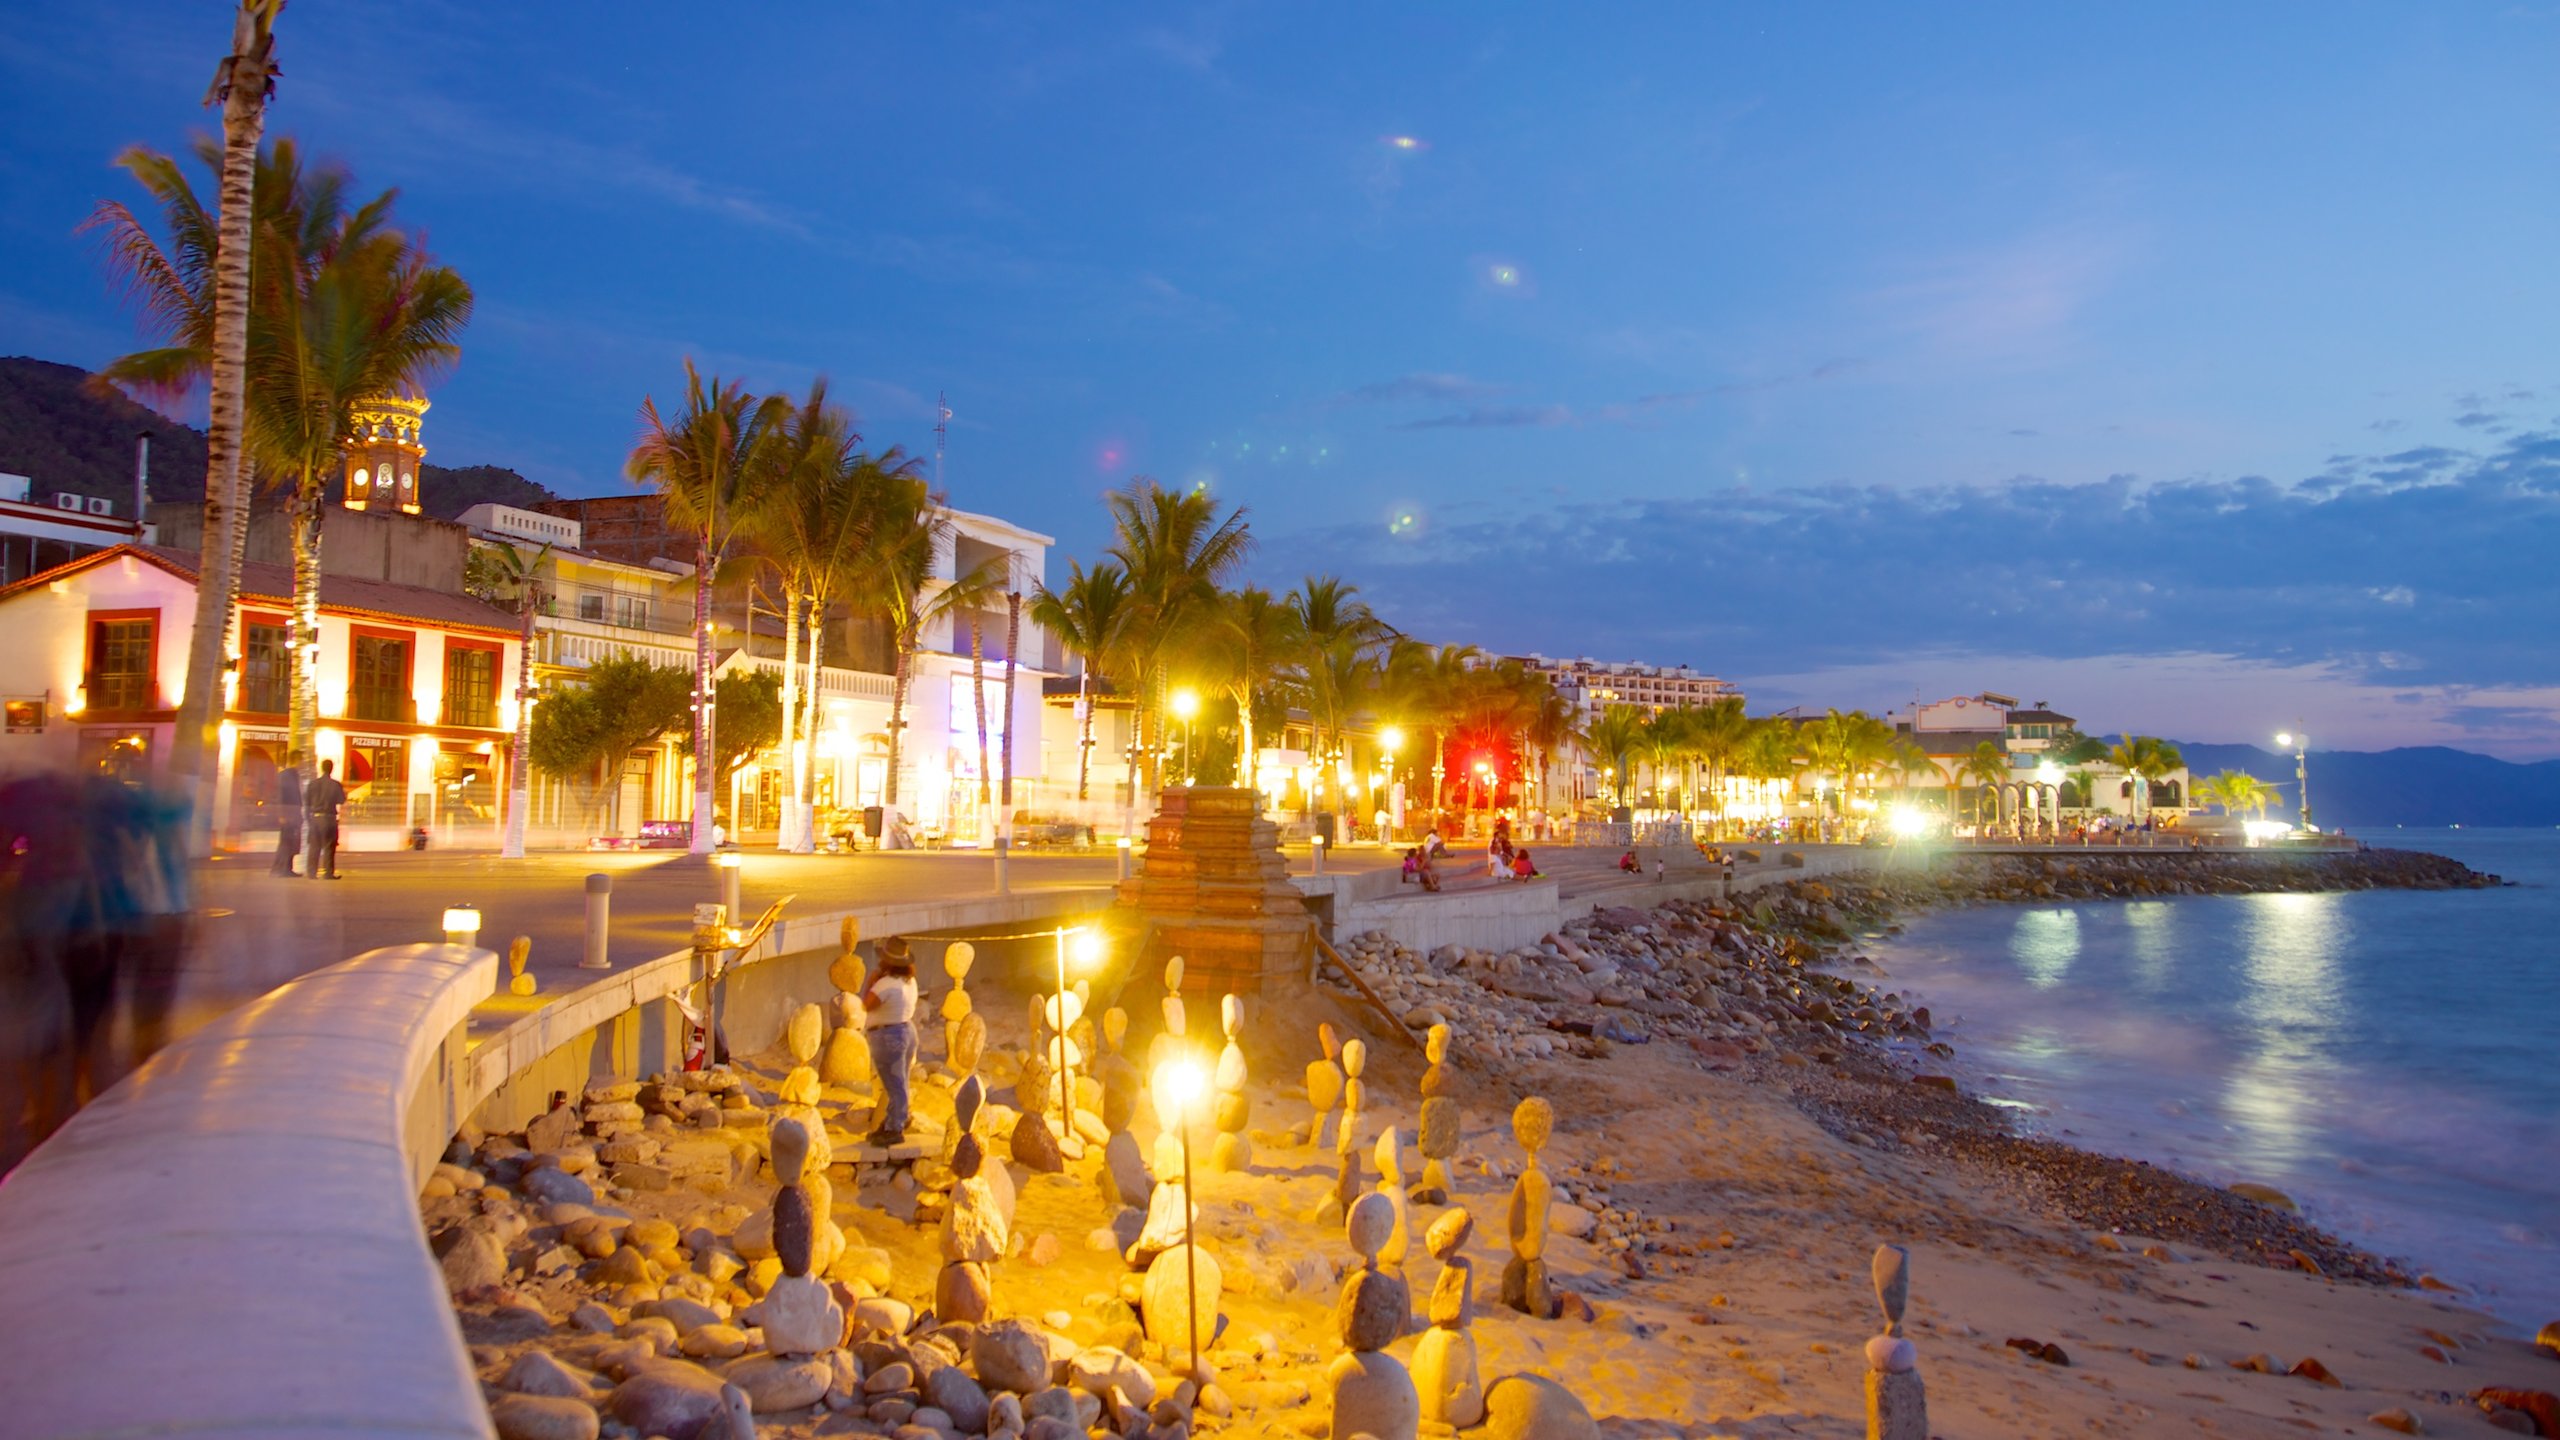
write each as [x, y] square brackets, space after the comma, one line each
[1412, 865]
[1627, 863]
[1521, 868]
[1429, 876]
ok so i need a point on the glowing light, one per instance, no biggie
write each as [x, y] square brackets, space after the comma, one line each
[1391, 739]
[1908, 821]
[1405, 142]
[1504, 275]
[2049, 773]
[1178, 1086]
[1086, 947]
[333, 703]
[2284, 737]
[461, 925]
[726, 860]
[2260, 831]
[1186, 704]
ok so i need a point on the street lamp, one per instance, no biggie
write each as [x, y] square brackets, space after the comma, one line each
[1178, 1087]
[1186, 705]
[2301, 744]
[1390, 740]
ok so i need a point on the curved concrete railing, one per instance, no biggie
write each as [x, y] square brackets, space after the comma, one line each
[227, 1243]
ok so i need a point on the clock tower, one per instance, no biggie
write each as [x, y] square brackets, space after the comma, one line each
[384, 452]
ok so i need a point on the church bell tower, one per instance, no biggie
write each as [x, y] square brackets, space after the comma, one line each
[384, 452]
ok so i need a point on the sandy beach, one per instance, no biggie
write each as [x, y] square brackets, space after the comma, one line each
[1728, 1180]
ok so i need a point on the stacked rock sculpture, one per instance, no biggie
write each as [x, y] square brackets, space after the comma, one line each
[975, 1234]
[799, 1315]
[1234, 1148]
[1897, 1403]
[1372, 1392]
[957, 957]
[846, 1063]
[1035, 1145]
[798, 1100]
[1346, 1140]
[1440, 1122]
[1444, 1359]
[1168, 1042]
[1123, 1177]
[1324, 1082]
[1390, 1157]
[518, 951]
[1525, 1286]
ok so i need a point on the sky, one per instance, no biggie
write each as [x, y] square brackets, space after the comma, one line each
[2189, 367]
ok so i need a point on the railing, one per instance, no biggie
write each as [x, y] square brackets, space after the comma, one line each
[121, 690]
[381, 704]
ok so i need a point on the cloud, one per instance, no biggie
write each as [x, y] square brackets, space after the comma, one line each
[2421, 569]
[2027, 434]
[1616, 412]
[1422, 385]
[1498, 417]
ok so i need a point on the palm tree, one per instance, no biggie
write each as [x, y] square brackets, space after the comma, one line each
[1549, 727]
[244, 82]
[1176, 550]
[1339, 638]
[965, 599]
[1429, 685]
[890, 579]
[1012, 662]
[700, 460]
[2147, 759]
[376, 316]
[1615, 737]
[511, 577]
[1718, 731]
[1988, 767]
[1088, 617]
[1252, 634]
[1664, 737]
[1770, 752]
[2237, 790]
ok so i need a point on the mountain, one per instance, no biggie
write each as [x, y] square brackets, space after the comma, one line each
[65, 436]
[2414, 785]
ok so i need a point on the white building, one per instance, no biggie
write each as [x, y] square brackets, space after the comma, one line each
[1592, 686]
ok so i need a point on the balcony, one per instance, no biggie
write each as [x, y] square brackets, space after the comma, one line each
[373, 703]
[120, 690]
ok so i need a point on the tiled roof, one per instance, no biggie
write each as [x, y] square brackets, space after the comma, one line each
[341, 593]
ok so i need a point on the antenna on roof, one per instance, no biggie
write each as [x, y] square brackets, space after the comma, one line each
[941, 432]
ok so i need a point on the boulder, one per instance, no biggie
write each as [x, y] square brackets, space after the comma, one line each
[1010, 1355]
[781, 1382]
[1372, 1395]
[543, 1417]
[668, 1397]
[535, 1372]
[1095, 1371]
[799, 1316]
[1162, 1299]
[475, 1260]
[1532, 1407]
[552, 1187]
[965, 1400]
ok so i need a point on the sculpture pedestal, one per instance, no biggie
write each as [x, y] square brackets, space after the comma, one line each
[1214, 889]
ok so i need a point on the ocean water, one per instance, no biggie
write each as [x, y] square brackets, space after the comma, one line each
[2391, 1059]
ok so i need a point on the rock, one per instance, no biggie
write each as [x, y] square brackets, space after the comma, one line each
[882, 1315]
[1445, 1378]
[682, 1313]
[1374, 1396]
[593, 1318]
[1124, 1171]
[1532, 1407]
[668, 1397]
[1010, 1355]
[2540, 1408]
[2309, 1368]
[535, 1372]
[554, 1187]
[963, 1293]
[1162, 1298]
[2397, 1419]
[799, 1316]
[2265, 1195]
[543, 1417]
[1035, 1148]
[1571, 1221]
[956, 1395]
[476, 1260]
[553, 1130]
[781, 1382]
[714, 1342]
[1374, 1309]
[1095, 1371]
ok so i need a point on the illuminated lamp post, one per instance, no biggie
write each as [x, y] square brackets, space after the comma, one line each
[1186, 706]
[1178, 1087]
[2301, 744]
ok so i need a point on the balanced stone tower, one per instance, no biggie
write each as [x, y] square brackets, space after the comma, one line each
[1525, 1287]
[1123, 1177]
[1444, 1359]
[1234, 1148]
[957, 1007]
[1390, 1158]
[1897, 1403]
[1440, 1121]
[1346, 1140]
[1372, 1392]
[846, 1062]
[798, 1314]
[1324, 1082]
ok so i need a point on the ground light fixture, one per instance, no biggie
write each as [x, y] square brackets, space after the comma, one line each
[462, 926]
[1179, 1084]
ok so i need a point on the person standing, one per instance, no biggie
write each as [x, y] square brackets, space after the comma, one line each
[320, 802]
[891, 1000]
[288, 815]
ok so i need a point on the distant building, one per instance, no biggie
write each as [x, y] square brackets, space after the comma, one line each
[1592, 686]
[1952, 730]
[65, 526]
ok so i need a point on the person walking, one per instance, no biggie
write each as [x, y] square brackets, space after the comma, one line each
[891, 1000]
[288, 815]
[320, 802]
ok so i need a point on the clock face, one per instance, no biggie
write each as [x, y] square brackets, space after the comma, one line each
[358, 484]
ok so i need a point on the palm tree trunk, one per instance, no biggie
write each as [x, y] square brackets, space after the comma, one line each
[196, 758]
[804, 755]
[303, 636]
[519, 779]
[978, 698]
[702, 764]
[1012, 645]
[897, 721]
[792, 794]
[1084, 729]
[1246, 765]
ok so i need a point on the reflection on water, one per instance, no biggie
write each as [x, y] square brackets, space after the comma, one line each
[2288, 1013]
[2155, 943]
[2045, 943]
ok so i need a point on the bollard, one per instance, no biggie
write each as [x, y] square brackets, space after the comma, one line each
[1319, 852]
[727, 863]
[1124, 857]
[462, 926]
[1004, 852]
[599, 918]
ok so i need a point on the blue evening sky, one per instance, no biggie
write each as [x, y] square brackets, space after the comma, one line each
[2189, 366]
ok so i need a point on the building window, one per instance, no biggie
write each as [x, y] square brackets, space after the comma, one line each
[121, 661]
[123, 755]
[377, 782]
[591, 607]
[470, 686]
[634, 611]
[378, 689]
[266, 669]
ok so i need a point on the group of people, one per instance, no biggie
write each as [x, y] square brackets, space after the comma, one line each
[307, 820]
[95, 891]
[1503, 860]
